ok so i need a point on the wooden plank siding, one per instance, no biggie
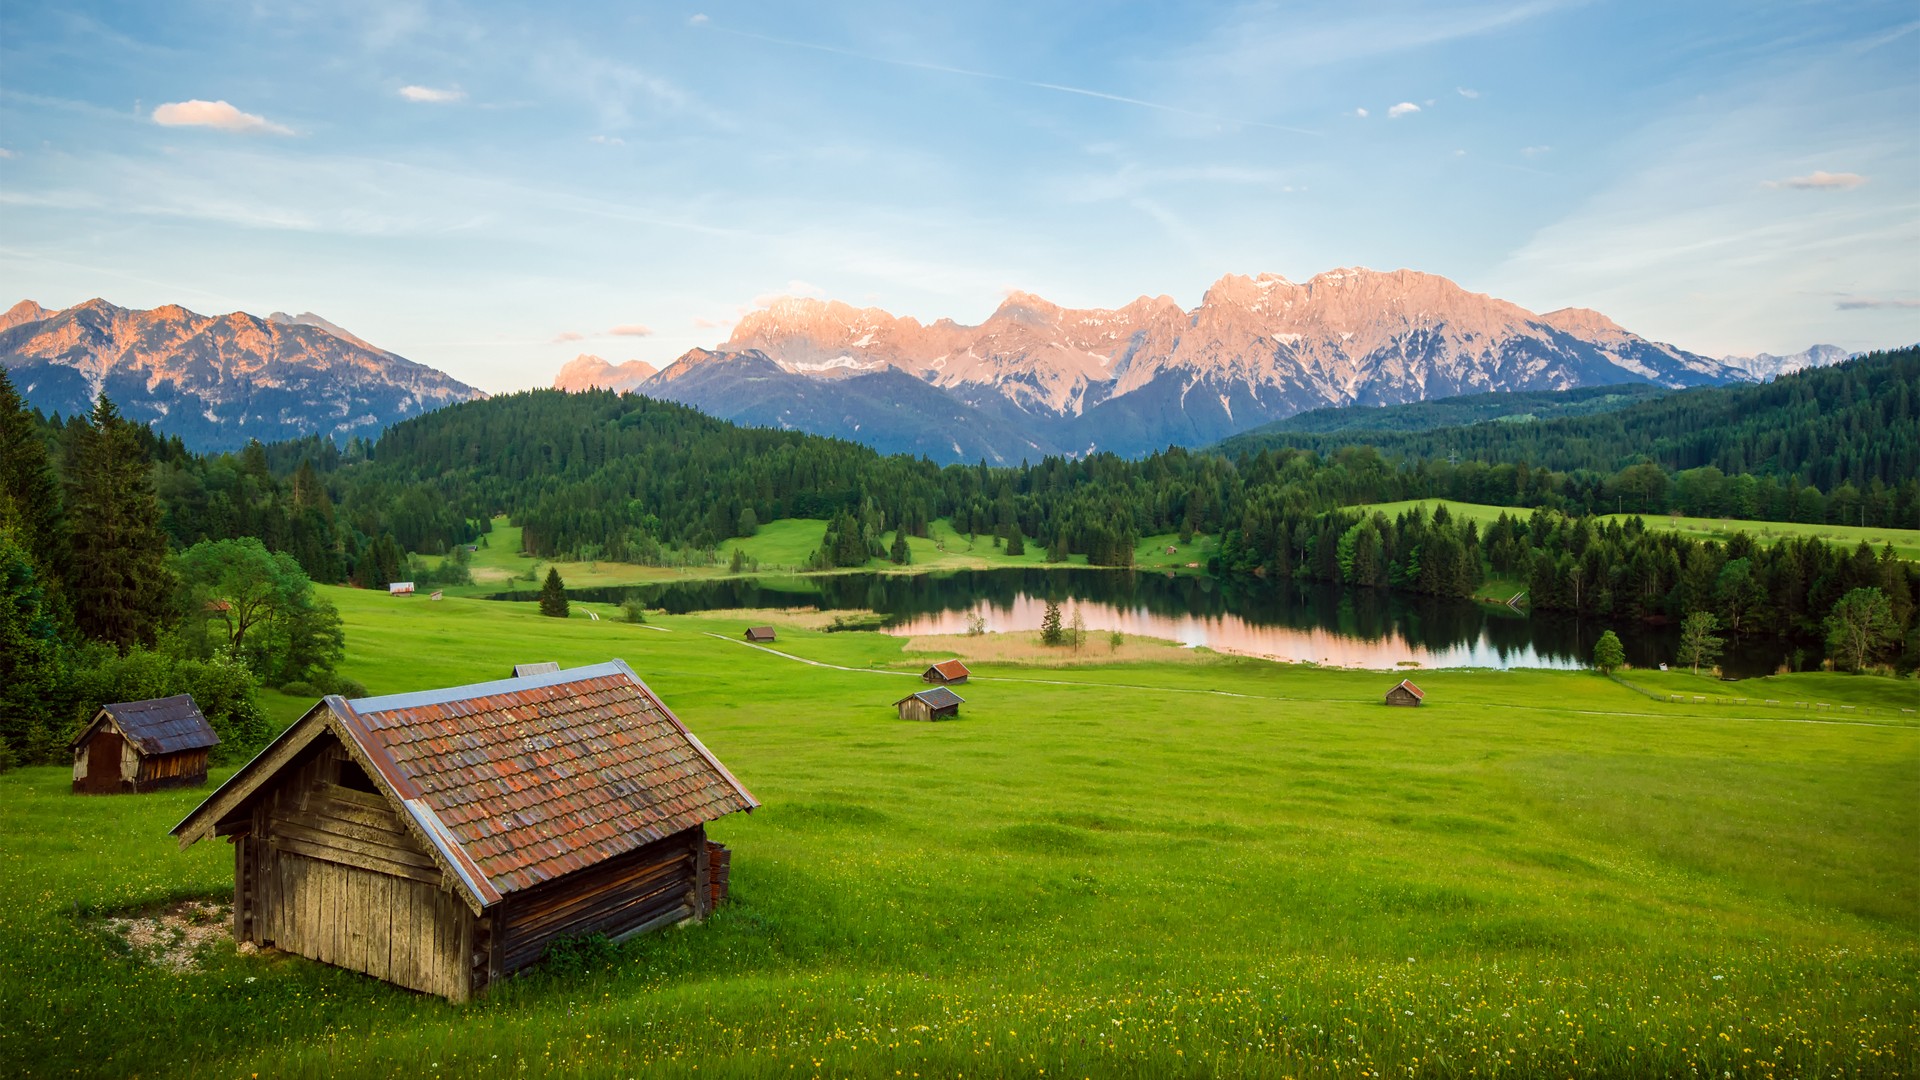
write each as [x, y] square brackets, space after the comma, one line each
[619, 897]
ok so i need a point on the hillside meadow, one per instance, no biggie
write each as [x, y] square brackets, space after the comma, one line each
[784, 547]
[1906, 542]
[1212, 867]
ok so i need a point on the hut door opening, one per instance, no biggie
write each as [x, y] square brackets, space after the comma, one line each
[103, 762]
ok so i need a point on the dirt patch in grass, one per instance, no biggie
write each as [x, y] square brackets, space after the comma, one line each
[1025, 647]
[173, 936]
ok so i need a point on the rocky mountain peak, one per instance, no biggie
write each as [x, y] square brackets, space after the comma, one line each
[25, 311]
[589, 372]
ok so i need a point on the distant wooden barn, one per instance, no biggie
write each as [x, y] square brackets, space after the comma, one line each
[542, 668]
[759, 633]
[141, 746]
[938, 703]
[440, 840]
[1405, 694]
[947, 673]
[399, 588]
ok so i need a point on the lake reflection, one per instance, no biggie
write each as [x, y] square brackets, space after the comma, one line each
[1388, 647]
[1296, 621]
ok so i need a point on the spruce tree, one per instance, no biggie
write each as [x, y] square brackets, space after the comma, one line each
[553, 595]
[120, 583]
[901, 553]
[29, 492]
[1050, 631]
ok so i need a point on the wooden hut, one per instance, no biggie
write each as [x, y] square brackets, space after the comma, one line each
[938, 703]
[544, 667]
[141, 746]
[441, 840]
[1405, 694]
[760, 634]
[946, 673]
[399, 588]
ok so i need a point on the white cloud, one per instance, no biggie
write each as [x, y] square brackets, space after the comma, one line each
[6, 153]
[1535, 151]
[1403, 109]
[697, 20]
[1820, 180]
[630, 330]
[607, 140]
[568, 335]
[432, 96]
[1361, 113]
[1466, 93]
[215, 114]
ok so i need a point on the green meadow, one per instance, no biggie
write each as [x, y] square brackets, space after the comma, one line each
[1906, 542]
[784, 547]
[1222, 867]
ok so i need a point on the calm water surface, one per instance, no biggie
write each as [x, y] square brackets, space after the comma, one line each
[1289, 621]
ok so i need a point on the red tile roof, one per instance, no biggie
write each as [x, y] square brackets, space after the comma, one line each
[1416, 690]
[532, 778]
[952, 669]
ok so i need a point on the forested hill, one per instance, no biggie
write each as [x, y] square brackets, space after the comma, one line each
[1510, 406]
[1855, 423]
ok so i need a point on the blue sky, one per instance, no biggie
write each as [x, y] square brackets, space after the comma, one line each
[492, 189]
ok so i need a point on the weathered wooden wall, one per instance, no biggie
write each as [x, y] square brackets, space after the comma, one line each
[329, 872]
[656, 885]
[915, 709]
[183, 769]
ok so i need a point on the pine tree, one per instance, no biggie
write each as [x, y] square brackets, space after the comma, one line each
[901, 553]
[1050, 631]
[29, 491]
[120, 582]
[553, 595]
[1016, 544]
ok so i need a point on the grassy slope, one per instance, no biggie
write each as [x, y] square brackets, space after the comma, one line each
[1111, 870]
[1906, 542]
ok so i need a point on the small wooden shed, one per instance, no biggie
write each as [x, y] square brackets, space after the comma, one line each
[946, 673]
[938, 703]
[141, 746]
[399, 588]
[759, 633]
[1405, 694]
[441, 840]
[541, 668]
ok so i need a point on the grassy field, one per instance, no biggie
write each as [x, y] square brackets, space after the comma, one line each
[783, 547]
[1216, 867]
[1906, 542]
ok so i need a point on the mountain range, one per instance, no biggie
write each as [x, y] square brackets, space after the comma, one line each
[1036, 378]
[216, 382]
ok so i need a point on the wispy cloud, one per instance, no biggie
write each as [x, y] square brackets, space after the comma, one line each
[698, 20]
[630, 330]
[1058, 88]
[1535, 151]
[1361, 112]
[1868, 303]
[433, 96]
[1466, 93]
[1403, 109]
[215, 114]
[607, 140]
[568, 335]
[704, 323]
[1820, 180]
[6, 153]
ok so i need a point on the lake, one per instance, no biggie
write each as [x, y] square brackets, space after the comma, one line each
[1287, 621]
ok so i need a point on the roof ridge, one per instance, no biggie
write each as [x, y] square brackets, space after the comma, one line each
[445, 695]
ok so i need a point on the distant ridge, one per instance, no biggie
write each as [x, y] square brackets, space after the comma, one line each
[1149, 374]
[216, 382]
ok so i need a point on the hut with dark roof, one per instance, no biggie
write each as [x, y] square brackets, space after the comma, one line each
[946, 673]
[759, 633]
[441, 840]
[938, 703]
[141, 746]
[1405, 694]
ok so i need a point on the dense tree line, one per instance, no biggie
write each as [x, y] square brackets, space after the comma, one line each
[1838, 445]
[96, 606]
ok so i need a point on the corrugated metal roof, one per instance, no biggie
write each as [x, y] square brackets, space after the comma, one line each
[939, 697]
[161, 725]
[523, 780]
